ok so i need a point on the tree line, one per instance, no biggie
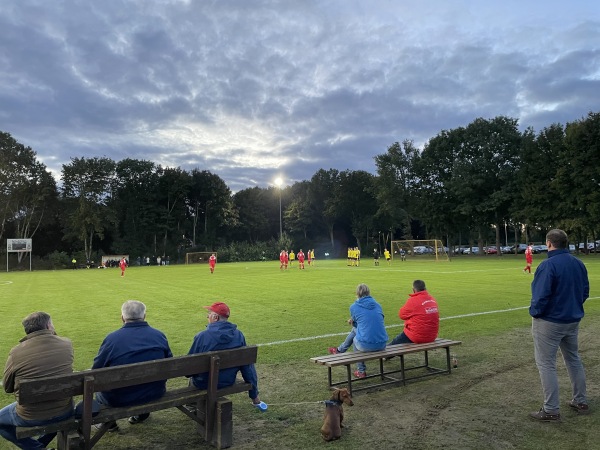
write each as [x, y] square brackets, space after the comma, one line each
[466, 185]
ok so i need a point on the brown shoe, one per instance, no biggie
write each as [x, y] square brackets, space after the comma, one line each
[544, 416]
[581, 408]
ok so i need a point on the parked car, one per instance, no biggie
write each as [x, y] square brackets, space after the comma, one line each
[506, 249]
[543, 248]
[471, 250]
[520, 248]
[422, 250]
[491, 250]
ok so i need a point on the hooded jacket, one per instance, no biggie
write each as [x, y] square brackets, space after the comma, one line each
[367, 316]
[421, 317]
[223, 335]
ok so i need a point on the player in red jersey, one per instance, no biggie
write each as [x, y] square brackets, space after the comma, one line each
[300, 256]
[528, 258]
[123, 266]
[212, 262]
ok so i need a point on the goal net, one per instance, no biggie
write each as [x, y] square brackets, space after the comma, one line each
[198, 257]
[421, 250]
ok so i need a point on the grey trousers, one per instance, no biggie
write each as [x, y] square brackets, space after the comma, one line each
[548, 337]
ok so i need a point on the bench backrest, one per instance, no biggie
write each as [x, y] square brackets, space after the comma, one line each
[108, 378]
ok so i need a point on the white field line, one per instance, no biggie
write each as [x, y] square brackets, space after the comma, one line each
[462, 316]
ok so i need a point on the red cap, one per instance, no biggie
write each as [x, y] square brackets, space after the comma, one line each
[220, 308]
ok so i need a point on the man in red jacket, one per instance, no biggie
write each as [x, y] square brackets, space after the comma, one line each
[420, 315]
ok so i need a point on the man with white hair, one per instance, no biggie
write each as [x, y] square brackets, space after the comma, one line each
[134, 342]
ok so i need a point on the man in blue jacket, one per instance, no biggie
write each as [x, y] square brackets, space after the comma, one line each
[368, 328]
[560, 287]
[220, 334]
[134, 342]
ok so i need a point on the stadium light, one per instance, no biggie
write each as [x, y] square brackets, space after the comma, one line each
[279, 182]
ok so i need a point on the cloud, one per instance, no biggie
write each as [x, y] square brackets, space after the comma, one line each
[248, 90]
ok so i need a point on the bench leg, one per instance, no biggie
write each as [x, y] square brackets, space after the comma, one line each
[222, 436]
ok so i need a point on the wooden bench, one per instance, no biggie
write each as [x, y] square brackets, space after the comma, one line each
[213, 412]
[393, 374]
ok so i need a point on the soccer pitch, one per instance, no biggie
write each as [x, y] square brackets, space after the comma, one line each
[291, 314]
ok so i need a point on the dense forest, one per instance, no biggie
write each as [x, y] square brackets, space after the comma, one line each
[485, 183]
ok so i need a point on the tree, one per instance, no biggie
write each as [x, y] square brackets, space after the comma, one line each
[209, 198]
[135, 204]
[87, 190]
[173, 188]
[581, 172]
[322, 187]
[252, 206]
[396, 186]
[26, 188]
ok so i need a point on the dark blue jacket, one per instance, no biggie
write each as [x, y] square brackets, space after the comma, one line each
[134, 342]
[223, 335]
[559, 288]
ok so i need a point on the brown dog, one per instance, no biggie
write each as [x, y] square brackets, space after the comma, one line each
[334, 414]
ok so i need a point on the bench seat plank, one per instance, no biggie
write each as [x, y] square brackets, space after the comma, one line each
[386, 376]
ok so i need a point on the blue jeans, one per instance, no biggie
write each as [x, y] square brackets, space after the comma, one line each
[548, 337]
[401, 339]
[10, 420]
[344, 346]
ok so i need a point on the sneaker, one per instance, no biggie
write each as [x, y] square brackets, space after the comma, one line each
[333, 350]
[138, 419]
[581, 408]
[544, 416]
[112, 426]
[359, 374]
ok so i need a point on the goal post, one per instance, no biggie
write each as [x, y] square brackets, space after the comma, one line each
[198, 257]
[424, 249]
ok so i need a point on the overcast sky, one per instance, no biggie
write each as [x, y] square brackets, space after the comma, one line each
[250, 90]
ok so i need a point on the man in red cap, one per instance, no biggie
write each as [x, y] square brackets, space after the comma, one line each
[220, 334]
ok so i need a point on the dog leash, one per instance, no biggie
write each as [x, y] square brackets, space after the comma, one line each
[294, 404]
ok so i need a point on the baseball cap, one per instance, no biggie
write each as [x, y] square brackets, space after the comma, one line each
[220, 308]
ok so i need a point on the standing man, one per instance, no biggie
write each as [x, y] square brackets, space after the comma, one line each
[220, 334]
[212, 262]
[376, 256]
[421, 317]
[368, 329]
[123, 266]
[134, 342]
[560, 287]
[528, 258]
[292, 257]
[40, 353]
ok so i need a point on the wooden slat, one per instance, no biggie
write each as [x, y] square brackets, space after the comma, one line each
[343, 359]
[105, 379]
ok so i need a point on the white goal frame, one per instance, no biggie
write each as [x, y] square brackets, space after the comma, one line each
[198, 257]
[435, 252]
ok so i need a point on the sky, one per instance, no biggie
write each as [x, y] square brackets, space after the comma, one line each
[255, 89]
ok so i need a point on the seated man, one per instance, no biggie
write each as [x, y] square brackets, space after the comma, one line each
[421, 317]
[220, 334]
[39, 354]
[134, 342]
[368, 329]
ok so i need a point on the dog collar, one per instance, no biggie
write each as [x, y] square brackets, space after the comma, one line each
[332, 402]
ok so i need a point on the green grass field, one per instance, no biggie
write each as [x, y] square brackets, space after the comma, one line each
[292, 315]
